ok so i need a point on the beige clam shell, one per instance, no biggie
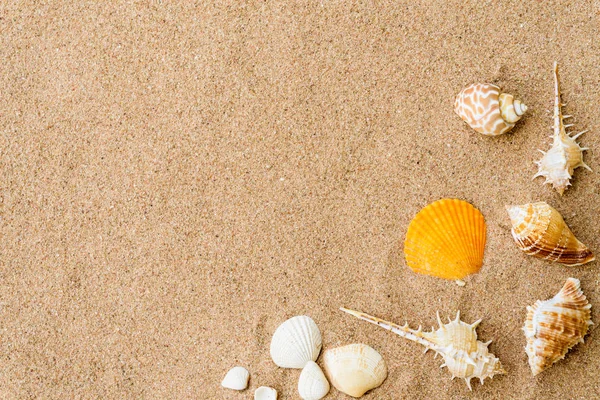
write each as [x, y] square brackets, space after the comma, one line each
[265, 393]
[354, 369]
[236, 379]
[313, 384]
[553, 326]
[295, 342]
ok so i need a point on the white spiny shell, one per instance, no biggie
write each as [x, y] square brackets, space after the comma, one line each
[558, 164]
[296, 342]
[354, 369]
[265, 393]
[464, 355]
[313, 384]
[236, 378]
[488, 111]
[554, 326]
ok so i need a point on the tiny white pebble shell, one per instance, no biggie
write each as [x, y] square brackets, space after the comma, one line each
[265, 393]
[295, 342]
[313, 384]
[236, 378]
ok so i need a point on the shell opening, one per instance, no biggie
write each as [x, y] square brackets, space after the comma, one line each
[511, 110]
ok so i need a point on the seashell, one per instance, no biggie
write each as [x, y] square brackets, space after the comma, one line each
[464, 355]
[295, 342]
[488, 111]
[312, 384]
[236, 378]
[540, 231]
[554, 326]
[354, 369]
[558, 164]
[265, 393]
[446, 239]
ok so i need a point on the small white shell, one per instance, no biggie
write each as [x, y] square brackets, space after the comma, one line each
[296, 342]
[354, 369]
[312, 384]
[265, 393]
[236, 378]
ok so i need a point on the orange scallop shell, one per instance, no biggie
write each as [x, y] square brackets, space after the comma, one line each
[446, 239]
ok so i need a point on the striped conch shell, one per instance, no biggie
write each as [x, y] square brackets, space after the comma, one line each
[557, 165]
[540, 231]
[488, 111]
[554, 326]
[464, 355]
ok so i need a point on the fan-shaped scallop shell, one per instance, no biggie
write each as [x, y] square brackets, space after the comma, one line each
[295, 342]
[236, 378]
[540, 231]
[554, 326]
[354, 369]
[313, 384]
[488, 111]
[446, 239]
[464, 355]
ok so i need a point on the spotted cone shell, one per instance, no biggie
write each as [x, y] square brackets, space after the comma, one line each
[540, 231]
[446, 239]
[554, 326]
[488, 111]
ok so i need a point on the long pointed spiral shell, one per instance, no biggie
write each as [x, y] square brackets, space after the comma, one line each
[464, 355]
[558, 164]
[540, 231]
[554, 326]
[488, 111]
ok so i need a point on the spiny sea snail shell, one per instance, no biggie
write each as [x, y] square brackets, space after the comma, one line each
[485, 109]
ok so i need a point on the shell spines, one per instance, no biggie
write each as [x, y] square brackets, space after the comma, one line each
[558, 164]
[464, 355]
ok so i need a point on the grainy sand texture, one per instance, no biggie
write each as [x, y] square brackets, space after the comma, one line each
[178, 178]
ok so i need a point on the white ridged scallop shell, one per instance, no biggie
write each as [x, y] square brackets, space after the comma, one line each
[354, 369]
[236, 378]
[313, 384]
[265, 393]
[296, 342]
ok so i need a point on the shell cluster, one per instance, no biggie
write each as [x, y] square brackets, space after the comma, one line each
[539, 230]
[558, 163]
[487, 110]
[554, 326]
[446, 239]
[464, 355]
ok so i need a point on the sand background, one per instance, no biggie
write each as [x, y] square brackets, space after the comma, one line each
[178, 179]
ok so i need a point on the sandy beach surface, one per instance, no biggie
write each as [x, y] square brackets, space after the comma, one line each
[179, 178]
